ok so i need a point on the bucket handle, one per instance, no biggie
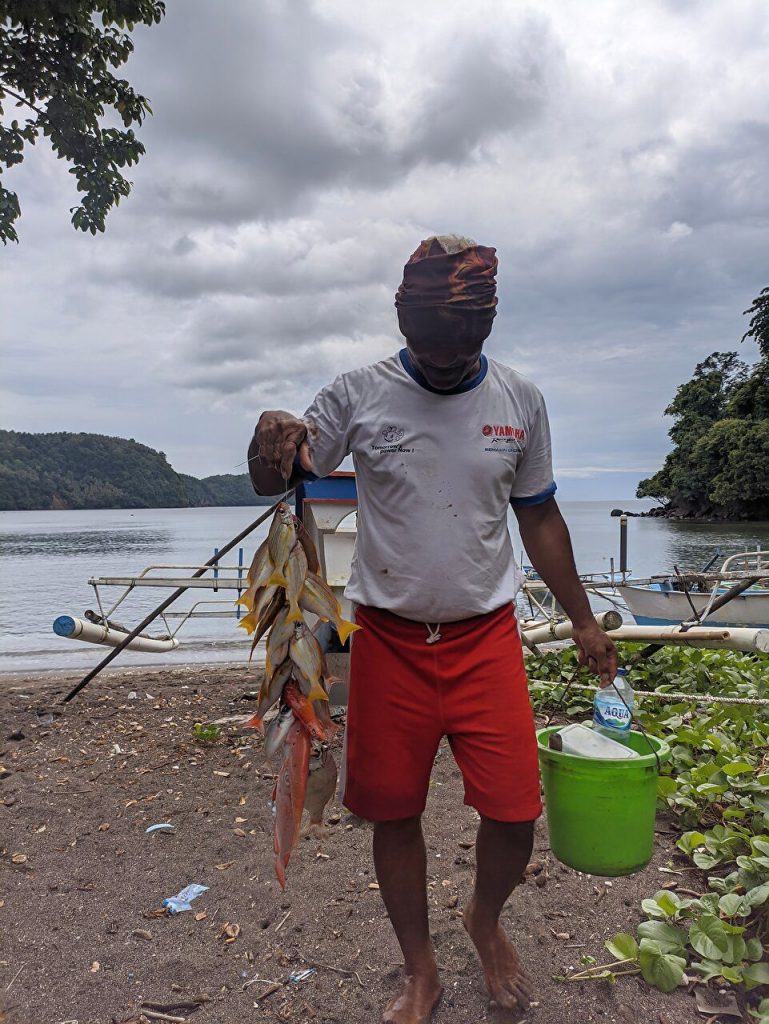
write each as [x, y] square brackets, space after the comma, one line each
[566, 689]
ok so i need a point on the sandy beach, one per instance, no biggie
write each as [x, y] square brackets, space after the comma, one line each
[82, 883]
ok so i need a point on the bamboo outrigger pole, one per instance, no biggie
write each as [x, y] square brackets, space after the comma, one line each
[169, 600]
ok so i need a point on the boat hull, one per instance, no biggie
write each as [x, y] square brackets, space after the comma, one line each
[650, 606]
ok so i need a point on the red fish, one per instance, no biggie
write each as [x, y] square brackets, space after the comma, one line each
[304, 710]
[290, 791]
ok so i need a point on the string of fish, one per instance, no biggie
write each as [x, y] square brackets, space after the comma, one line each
[285, 584]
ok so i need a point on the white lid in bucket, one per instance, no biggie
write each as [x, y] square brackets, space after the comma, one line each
[583, 741]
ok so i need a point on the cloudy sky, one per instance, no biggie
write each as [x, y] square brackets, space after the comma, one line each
[615, 153]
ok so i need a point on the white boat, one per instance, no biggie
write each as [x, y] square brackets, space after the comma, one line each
[669, 600]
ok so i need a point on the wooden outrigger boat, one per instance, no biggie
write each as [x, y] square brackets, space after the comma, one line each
[673, 598]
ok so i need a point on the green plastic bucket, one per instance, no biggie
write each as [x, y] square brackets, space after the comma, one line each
[600, 813]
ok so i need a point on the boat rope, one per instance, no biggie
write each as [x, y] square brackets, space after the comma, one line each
[694, 698]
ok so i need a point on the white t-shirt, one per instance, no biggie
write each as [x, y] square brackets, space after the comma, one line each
[435, 473]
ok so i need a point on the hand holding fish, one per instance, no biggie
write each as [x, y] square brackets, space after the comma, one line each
[278, 438]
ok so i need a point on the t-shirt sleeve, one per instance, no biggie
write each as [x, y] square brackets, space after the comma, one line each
[534, 482]
[328, 425]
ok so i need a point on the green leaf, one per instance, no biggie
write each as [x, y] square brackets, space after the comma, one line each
[669, 938]
[667, 901]
[732, 974]
[737, 768]
[652, 908]
[708, 937]
[756, 974]
[735, 949]
[760, 843]
[705, 860]
[666, 786]
[754, 950]
[622, 946]
[689, 841]
[708, 969]
[732, 905]
[663, 970]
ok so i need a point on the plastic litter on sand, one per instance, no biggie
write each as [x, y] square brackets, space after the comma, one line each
[182, 900]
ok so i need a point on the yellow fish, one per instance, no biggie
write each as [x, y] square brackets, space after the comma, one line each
[318, 598]
[304, 651]
[278, 641]
[281, 539]
[296, 572]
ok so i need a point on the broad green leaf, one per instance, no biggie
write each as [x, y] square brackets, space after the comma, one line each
[754, 949]
[708, 788]
[735, 949]
[761, 844]
[733, 929]
[708, 969]
[652, 908]
[708, 937]
[737, 768]
[732, 905]
[733, 974]
[622, 946]
[705, 860]
[667, 901]
[756, 974]
[734, 813]
[663, 970]
[689, 841]
[670, 938]
[666, 786]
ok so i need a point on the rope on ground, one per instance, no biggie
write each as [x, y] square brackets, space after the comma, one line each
[694, 698]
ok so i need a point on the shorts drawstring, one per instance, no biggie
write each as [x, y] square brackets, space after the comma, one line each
[433, 633]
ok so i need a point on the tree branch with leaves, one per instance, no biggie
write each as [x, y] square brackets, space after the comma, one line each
[57, 62]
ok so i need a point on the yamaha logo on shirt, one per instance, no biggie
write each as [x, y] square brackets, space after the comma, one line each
[504, 438]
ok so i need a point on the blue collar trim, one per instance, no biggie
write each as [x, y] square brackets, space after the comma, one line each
[466, 385]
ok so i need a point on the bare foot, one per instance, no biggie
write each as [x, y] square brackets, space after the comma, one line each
[416, 1002]
[506, 980]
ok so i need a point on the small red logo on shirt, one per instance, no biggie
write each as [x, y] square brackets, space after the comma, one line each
[500, 430]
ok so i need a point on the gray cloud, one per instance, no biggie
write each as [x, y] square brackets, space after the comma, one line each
[615, 156]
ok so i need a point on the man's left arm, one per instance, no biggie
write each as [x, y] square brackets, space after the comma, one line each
[546, 539]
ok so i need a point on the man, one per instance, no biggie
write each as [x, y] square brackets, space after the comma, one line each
[442, 439]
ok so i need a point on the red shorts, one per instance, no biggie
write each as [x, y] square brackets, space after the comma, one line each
[406, 694]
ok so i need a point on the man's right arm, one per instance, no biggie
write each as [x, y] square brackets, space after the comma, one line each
[278, 439]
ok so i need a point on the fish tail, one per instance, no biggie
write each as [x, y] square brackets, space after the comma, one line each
[317, 693]
[280, 872]
[254, 722]
[277, 580]
[254, 642]
[344, 628]
[294, 613]
[248, 622]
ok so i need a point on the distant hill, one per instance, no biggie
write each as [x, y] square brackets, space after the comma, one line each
[62, 470]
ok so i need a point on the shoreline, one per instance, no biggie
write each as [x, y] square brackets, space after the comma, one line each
[31, 678]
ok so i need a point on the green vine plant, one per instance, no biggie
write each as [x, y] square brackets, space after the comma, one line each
[715, 790]
[205, 734]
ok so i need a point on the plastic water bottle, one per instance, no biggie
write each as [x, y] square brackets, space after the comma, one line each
[613, 708]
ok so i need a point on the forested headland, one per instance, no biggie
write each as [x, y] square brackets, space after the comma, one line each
[71, 471]
[719, 465]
